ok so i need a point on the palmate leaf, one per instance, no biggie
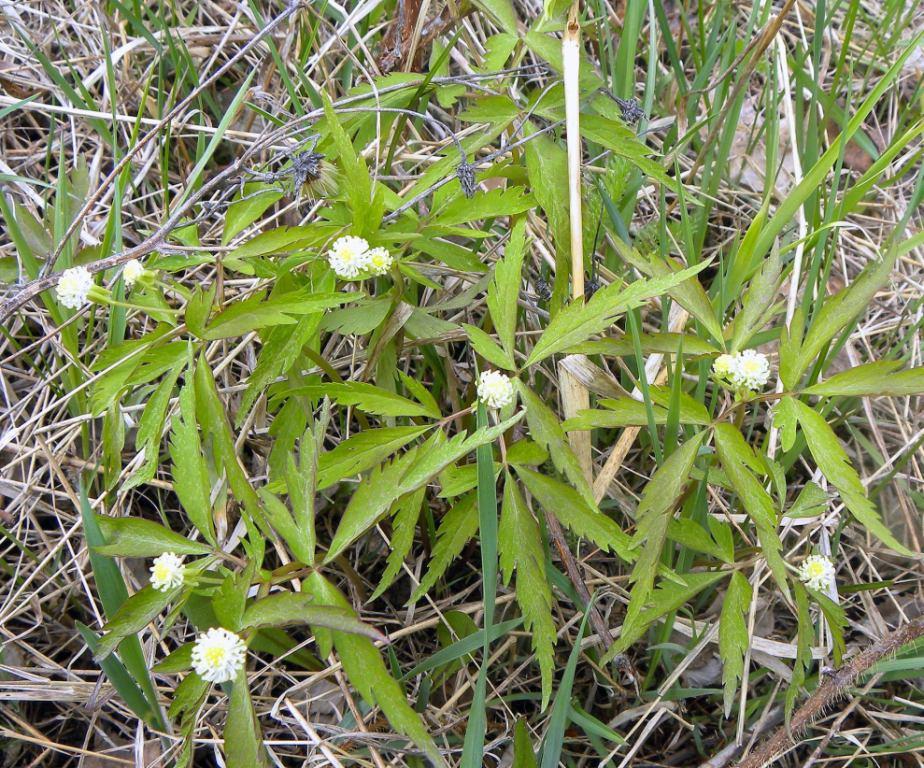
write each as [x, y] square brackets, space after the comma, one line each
[576, 513]
[456, 529]
[733, 635]
[367, 672]
[579, 320]
[653, 517]
[406, 474]
[833, 462]
[520, 547]
[736, 457]
[255, 313]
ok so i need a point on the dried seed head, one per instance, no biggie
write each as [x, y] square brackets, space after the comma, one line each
[543, 289]
[631, 110]
[465, 173]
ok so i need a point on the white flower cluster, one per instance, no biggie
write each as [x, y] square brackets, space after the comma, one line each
[218, 655]
[167, 572]
[748, 370]
[133, 270]
[73, 287]
[495, 389]
[816, 572]
[351, 257]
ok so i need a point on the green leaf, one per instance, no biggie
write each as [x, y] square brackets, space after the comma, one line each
[367, 397]
[489, 349]
[523, 755]
[151, 427]
[627, 411]
[500, 201]
[653, 517]
[407, 510]
[502, 11]
[558, 719]
[456, 529]
[191, 483]
[576, 513]
[879, 379]
[579, 320]
[242, 317]
[668, 597]
[736, 456]
[250, 206]
[422, 395]
[504, 288]
[733, 635]
[521, 549]
[665, 343]
[545, 429]
[363, 451]
[417, 467]
[299, 538]
[243, 744]
[364, 204]
[367, 672]
[757, 302]
[287, 608]
[121, 679]
[833, 462]
[133, 616]
[134, 537]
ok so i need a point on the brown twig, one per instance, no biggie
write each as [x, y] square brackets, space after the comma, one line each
[833, 688]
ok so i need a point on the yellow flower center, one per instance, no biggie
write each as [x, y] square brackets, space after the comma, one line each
[214, 655]
[815, 569]
[161, 571]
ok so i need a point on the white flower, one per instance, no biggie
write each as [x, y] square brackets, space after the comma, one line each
[724, 366]
[167, 572]
[494, 389]
[751, 371]
[349, 256]
[218, 655]
[73, 287]
[379, 261]
[132, 271]
[817, 572]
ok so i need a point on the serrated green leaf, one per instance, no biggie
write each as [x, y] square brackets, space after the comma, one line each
[133, 616]
[404, 523]
[456, 529]
[733, 635]
[422, 395]
[367, 397]
[879, 379]
[134, 537]
[521, 549]
[250, 205]
[736, 456]
[367, 672]
[757, 302]
[547, 431]
[404, 475]
[288, 608]
[579, 320]
[668, 597]
[489, 349]
[363, 451]
[576, 513]
[833, 462]
[151, 428]
[191, 483]
[500, 201]
[504, 288]
[242, 317]
[653, 517]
